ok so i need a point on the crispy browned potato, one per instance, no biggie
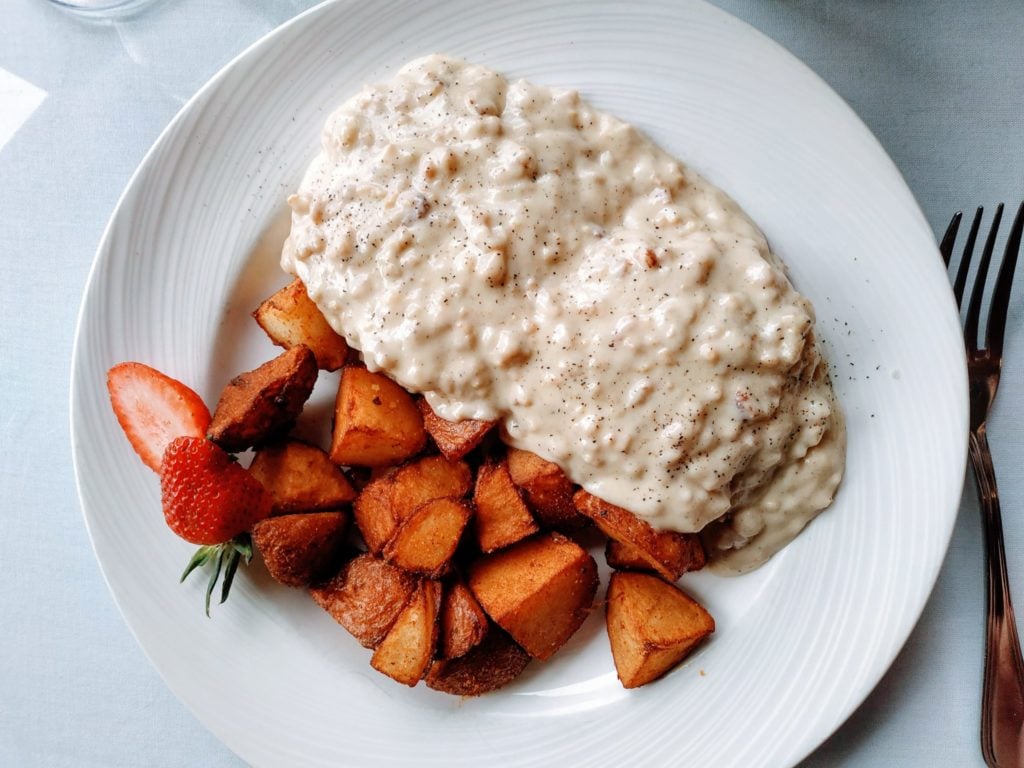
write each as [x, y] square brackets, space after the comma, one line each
[427, 539]
[261, 404]
[290, 318]
[429, 478]
[365, 597]
[668, 553]
[682, 550]
[539, 590]
[624, 557]
[495, 662]
[453, 438]
[389, 499]
[502, 517]
[405, 654]
[463, 622]
[548, 490]
[374, 514]
[376, 422]
[301, 549]
[652, 626]
[301, 478]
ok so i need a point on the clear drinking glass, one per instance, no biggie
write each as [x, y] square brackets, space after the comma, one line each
[102, 9]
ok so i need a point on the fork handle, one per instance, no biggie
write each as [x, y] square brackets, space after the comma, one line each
[1002, 704]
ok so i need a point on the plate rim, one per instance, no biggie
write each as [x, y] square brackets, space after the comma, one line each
[103, 251]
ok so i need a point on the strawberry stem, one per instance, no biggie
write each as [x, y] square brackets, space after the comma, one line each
[224, 558]
[201, 557]
[213, 577]
[243, 546]
[229, 572]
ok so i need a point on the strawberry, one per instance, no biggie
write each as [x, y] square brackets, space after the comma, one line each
[153, 409]
[210, 499]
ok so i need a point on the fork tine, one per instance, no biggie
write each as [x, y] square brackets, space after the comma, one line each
[996, 324]
[974, 308]
[965, 260]
[946, 246]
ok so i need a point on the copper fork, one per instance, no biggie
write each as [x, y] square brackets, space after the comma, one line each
[1002, 703]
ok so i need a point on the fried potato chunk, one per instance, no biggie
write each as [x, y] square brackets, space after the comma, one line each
[502, 517]
[548, 490]
[426, 540]
[668, 553]
[405, 653]
[539, 590]
[301, 478]
[682, 550]
[261, 404]
[624, 557]
[365, 597]
[301, 549]
[463, 622]
[374, 515]
[453, 438]
[652, 626]
[429, 478]
[386, 501]
[376, 422]
[495, 662]
[290, 318]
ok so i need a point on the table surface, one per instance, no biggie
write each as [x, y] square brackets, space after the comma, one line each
[940, 84]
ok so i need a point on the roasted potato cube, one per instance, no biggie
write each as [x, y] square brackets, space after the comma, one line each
[624, 557]
[668, 553]
[290, 318]
[301, 549]
[376, 422]
[387, 500]
[453, 438]
[652, 626]
[301, 478]
[463, 622]
[365, 597]
[548, 490]
[676, 550]
[429, 478]
[405, 654]
[539, 590]
[427, 539]
[261, 404]
[502, 517]
[374, 514]
[495, 662]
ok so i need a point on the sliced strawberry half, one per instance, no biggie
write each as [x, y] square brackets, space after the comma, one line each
[153, 409]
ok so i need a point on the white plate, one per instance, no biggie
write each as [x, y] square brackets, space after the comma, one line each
[192, 246]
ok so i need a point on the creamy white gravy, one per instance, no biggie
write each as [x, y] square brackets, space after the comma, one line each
[515, 254]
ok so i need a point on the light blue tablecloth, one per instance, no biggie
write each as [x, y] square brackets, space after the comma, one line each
[941, 84]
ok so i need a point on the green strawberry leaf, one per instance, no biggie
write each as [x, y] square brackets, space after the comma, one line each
[242, 544]
[229, 573]
[225, 559]
[201, 557]
[213, 578]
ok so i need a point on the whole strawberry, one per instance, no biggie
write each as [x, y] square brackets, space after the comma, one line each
[211, 500]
